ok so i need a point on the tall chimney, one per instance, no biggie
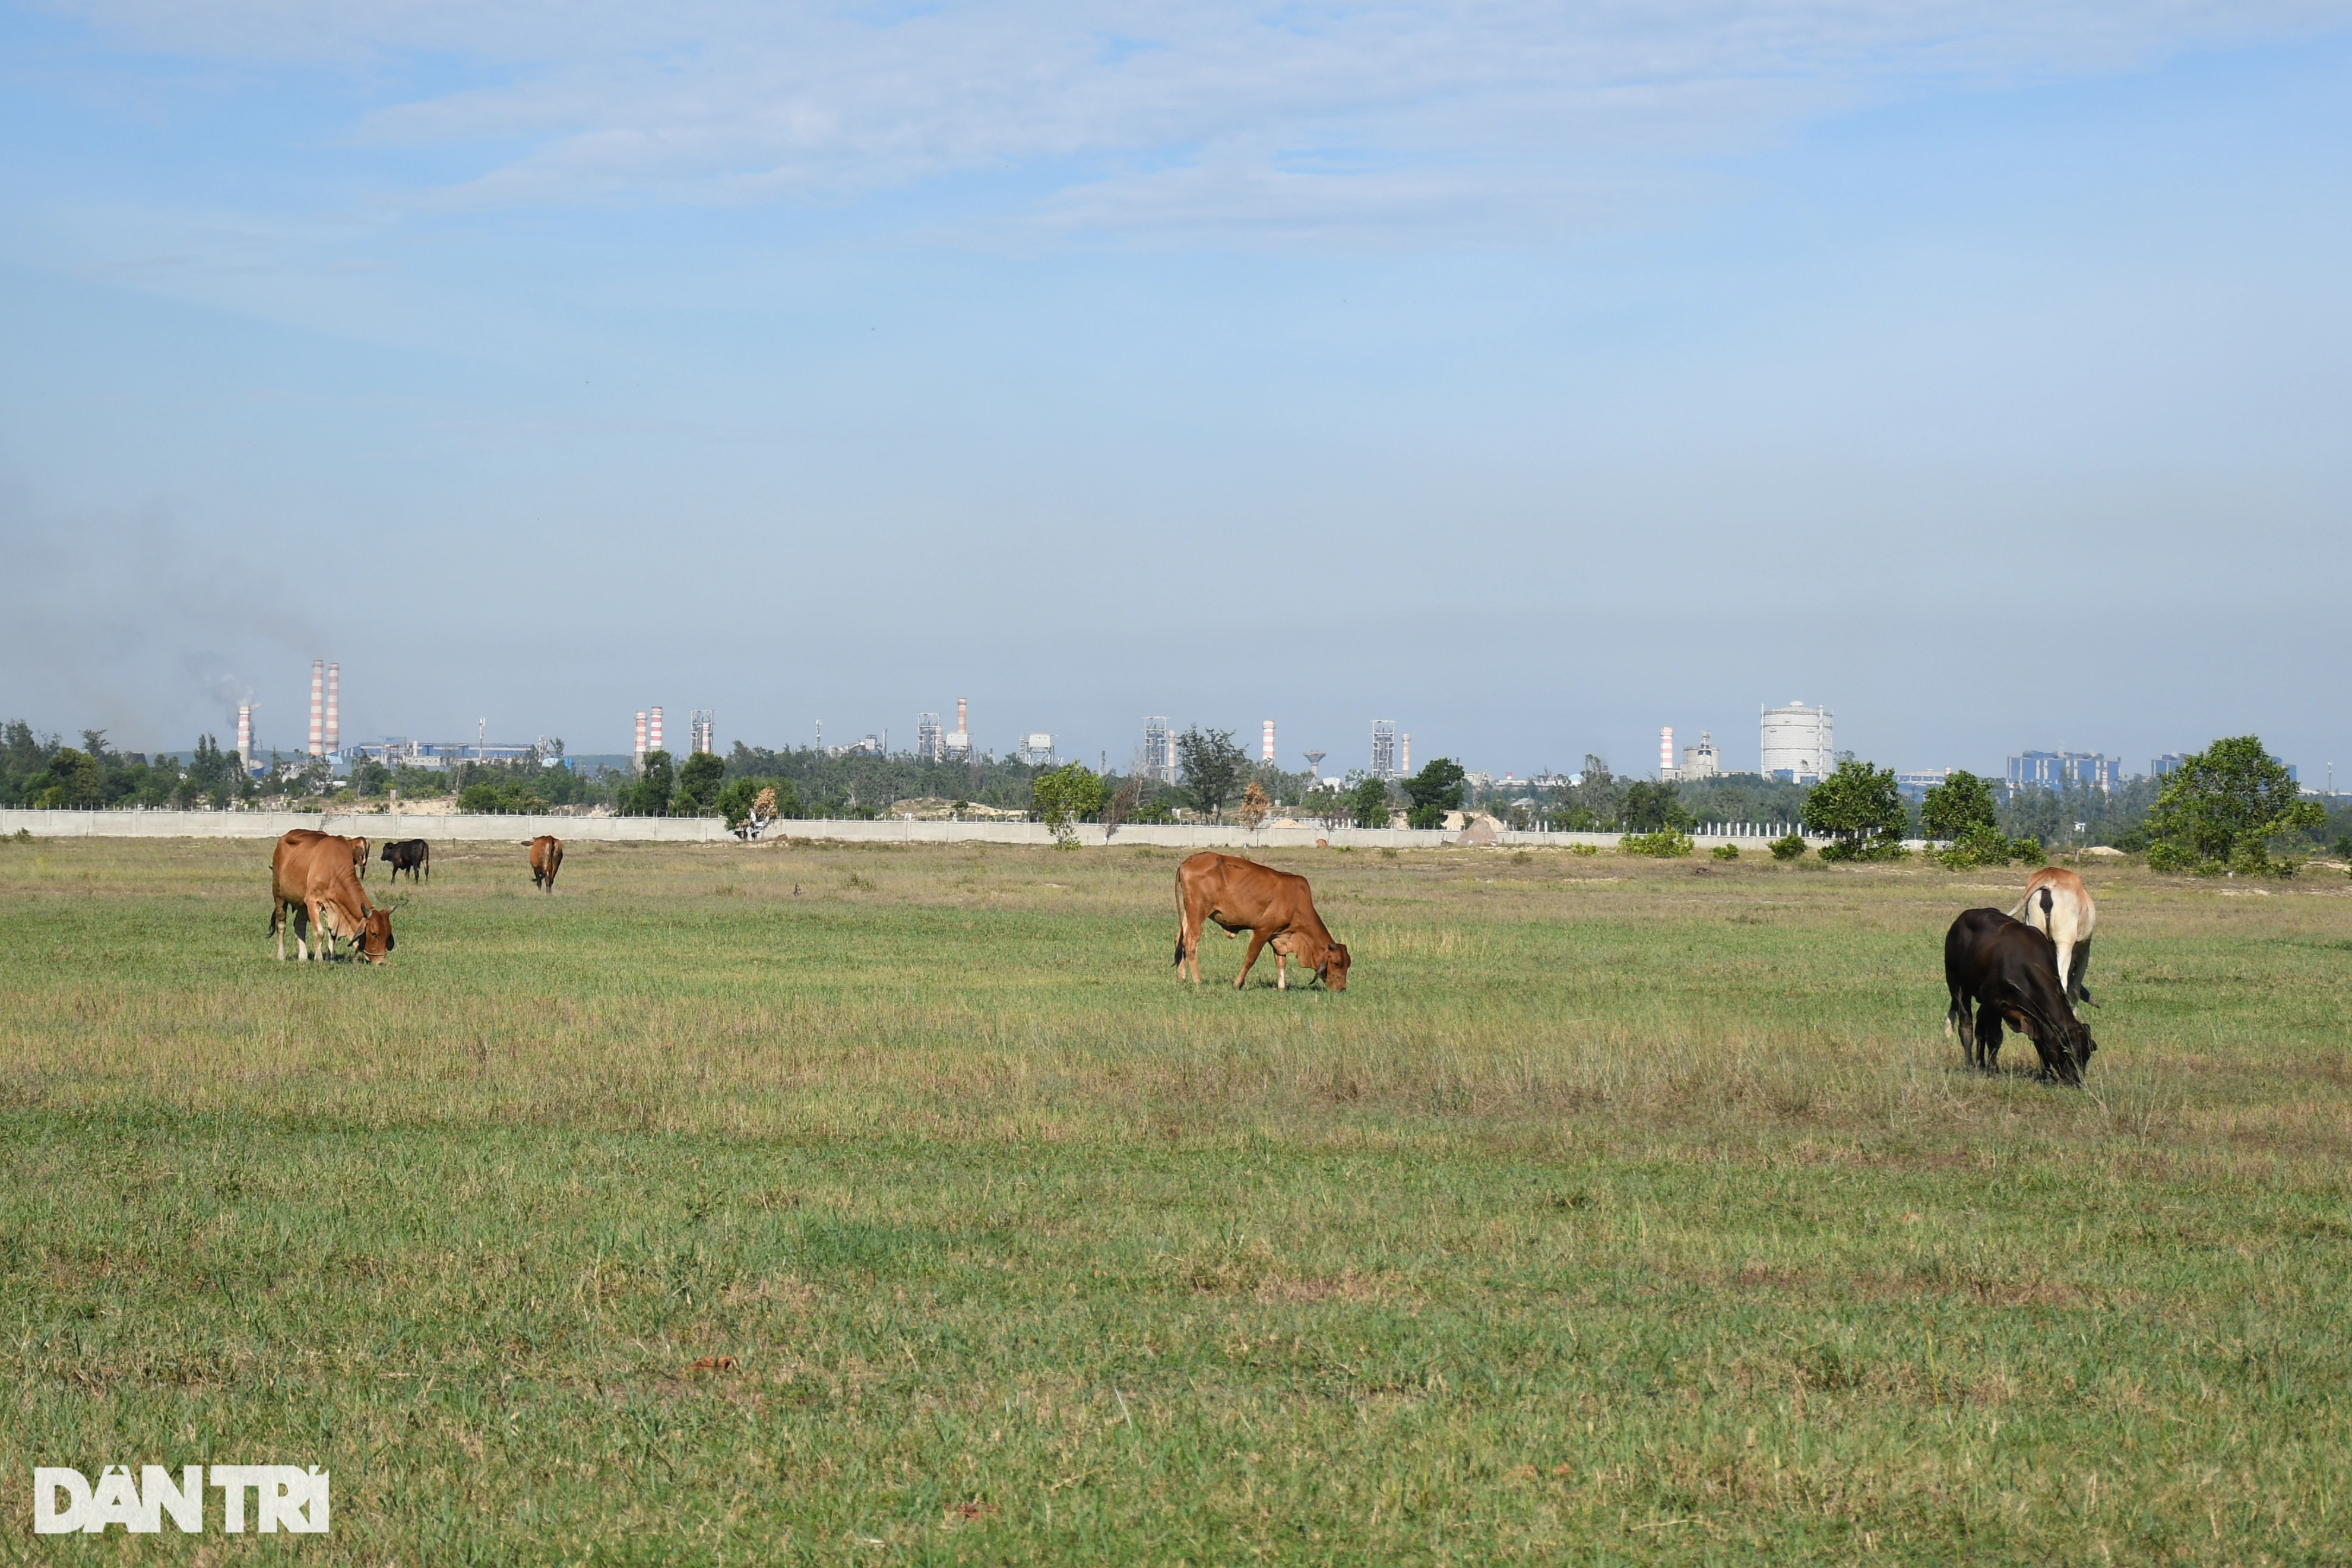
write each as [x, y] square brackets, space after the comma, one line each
[1266, 746]
[652, 729]
[963, 726]
[334, 709]
[641, 737]
[1667, 750]
[245, 735]
[317, 706]
[1404, 761]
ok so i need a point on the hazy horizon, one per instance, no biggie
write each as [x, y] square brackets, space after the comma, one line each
[1532, 379]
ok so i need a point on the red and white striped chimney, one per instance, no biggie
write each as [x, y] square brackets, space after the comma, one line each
[1404, 760]
[245, 735]
[963, 726]
[334, 708]
[317, 706]
[652, 729]
[641, 735]
[1667, 750]
[1266, 746]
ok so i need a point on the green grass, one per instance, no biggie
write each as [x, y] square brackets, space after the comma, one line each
[1620, 1211]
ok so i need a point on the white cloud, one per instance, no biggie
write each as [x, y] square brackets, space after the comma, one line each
[1456, 121]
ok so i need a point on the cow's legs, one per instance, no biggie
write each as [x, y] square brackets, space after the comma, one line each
[277, 927]
[1188, 942]
[2077, 987]
[1988, 1036]
[1281, 973]
[1257, 944]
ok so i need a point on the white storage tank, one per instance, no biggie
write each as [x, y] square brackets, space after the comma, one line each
[1796, 741]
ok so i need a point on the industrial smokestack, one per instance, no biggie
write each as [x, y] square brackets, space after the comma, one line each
[964, 724]
[1404, 758]
[1666, 750]
[641, 737]
[1265, 747]
[334, 709]
[245, 735]
[653, 730]
[317, 706]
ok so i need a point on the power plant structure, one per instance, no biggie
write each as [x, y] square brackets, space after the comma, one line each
[1266, 746]
[318, 707]
[1315, 763]
[1037, 749]
[1666, 752]
[702, 732]
[1158, 749]
[334, 708]
[1797, 744]
[930, 740]
[245, 735]
[957, 742]
[654, 729]
[1701, 761]
[637, 755]
[1404, 757]
[1384, 758]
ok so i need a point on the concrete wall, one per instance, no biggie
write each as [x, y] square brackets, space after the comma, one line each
[381, 826]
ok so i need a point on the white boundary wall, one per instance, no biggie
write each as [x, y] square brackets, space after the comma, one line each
[456, 829]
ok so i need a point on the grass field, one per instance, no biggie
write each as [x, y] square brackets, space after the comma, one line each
[1619, 1212]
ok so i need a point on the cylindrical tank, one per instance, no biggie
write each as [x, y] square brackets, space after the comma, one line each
[1797, 741]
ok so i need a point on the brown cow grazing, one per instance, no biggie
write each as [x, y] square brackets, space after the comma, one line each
[2058, 905]
[546, 860]
[2009, 970]
[311, 879]
[1272, 905]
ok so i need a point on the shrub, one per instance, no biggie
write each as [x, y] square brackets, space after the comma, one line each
[1726, 851]
[1984, 845]
[1861, 809]
[1663, 844]
[1788, 847]
[1584, 848]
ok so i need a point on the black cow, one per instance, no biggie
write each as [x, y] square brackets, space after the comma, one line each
[2009, 970]
[409, 855]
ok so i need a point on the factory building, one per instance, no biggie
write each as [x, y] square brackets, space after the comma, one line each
[1797, 745]
[2057, 770]
[1158, 749]
[1384, 749]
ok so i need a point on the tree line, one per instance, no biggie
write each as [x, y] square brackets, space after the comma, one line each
[2230, 808]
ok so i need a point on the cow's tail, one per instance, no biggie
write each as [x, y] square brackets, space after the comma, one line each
[428, 863]
[1179, 917]
[2048, 920]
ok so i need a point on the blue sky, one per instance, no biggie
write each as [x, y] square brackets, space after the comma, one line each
[1534, 376]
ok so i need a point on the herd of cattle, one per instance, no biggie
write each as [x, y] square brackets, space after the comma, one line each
[2025, 968]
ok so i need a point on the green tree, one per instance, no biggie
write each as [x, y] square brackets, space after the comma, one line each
[1209, 766]
[1063, 798]
[649, 796]
[75, 782]
[1652, 807]
[2223, 807]
[1861, 809]
[1433, 792]
[1368, 802]
[1960, 802]
[697, 785]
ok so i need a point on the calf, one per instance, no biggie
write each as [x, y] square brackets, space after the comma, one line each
[2010, 971]
[546, 860]
[2058, 905]
[1272, 905]
[410, 855]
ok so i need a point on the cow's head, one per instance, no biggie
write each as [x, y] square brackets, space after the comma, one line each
[375, 936]
[387, 853]
[1333, 970]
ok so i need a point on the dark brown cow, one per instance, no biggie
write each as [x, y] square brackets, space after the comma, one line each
[546, 860]
[2009, 970]
[410, 855]
[1272, 905]
[310, 878]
